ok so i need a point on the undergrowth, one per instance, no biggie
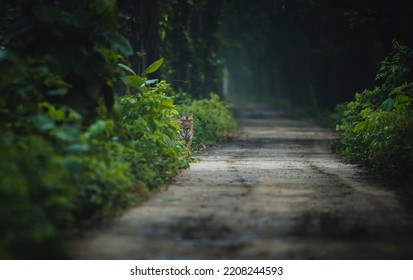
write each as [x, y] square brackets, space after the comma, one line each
[60, 168]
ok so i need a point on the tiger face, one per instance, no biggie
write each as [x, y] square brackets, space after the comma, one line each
[187, 122]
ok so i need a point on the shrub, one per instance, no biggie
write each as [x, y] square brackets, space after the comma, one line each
[377, 127]
[55, 173]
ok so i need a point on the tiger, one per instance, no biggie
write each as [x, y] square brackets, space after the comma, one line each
[187, 130]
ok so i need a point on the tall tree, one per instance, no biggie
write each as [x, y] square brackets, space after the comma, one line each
[192, 45]
[140, 24]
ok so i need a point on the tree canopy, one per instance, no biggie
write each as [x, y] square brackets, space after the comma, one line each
[316, 52]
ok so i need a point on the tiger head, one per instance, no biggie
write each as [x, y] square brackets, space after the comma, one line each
[187, 121]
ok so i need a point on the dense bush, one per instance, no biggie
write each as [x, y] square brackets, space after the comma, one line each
[59, 168]
[134, 150]
[54, 172]
[377, 127]
[57, 172]
[36, 195]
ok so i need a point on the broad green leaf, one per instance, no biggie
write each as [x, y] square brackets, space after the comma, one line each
[400, 99]
[126, 68]
[387, 104]
[151, 82]
[97, 128]
[133, 81]
[153, 67]
[167, 104]
[148, 83]
[360, 126]
[43, 123]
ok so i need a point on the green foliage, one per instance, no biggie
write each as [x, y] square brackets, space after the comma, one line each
[63, 52]
[57, 61]
[36, 190]
[213, 120]
[136, 150]
[153, 67]
[149, 127]
[377, 127]
[56, 173]
[136, 82]
[71, 149]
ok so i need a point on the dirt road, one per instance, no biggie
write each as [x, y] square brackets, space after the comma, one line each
[275, 192]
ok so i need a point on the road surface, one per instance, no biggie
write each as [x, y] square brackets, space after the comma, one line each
[276, 191]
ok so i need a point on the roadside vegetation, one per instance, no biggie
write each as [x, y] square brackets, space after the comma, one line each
[377, 127]
[83, 135]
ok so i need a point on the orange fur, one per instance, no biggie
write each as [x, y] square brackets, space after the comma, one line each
[187, 130]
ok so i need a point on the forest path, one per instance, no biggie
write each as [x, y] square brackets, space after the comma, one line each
[275, 192]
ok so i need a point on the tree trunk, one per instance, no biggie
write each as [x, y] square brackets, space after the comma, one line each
[149, 14]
